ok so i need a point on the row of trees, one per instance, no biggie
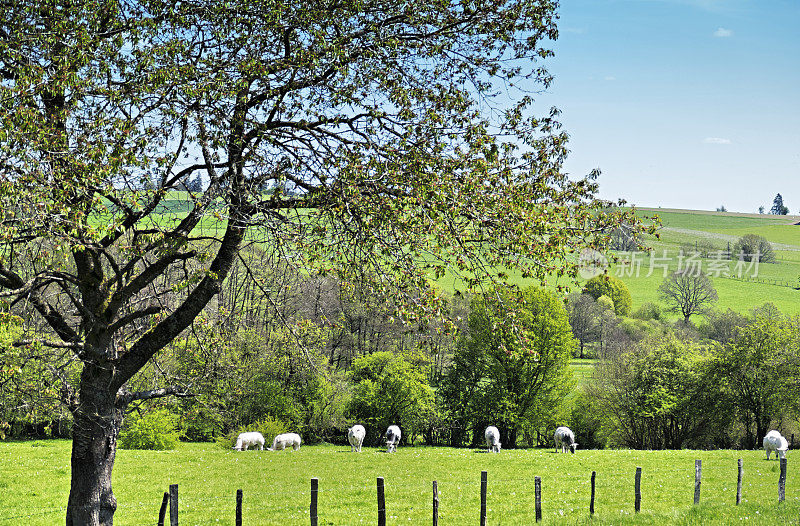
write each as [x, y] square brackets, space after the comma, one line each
[723, 387]
[507, 365]
[328, 359]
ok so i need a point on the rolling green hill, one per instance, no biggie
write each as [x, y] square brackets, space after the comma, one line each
[740, 286]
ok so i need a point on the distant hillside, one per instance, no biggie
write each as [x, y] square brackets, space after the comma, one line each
[699, 237]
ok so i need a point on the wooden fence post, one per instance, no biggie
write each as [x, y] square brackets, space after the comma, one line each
[739, 483]
[163, 511]
[591, 502]
[484, 483]
[435, 504]
[312, 511]
[381, 503]
[537, 486]
[238, 507]
[782, 481]
[637, 486]
[173, 505]
[697, 474]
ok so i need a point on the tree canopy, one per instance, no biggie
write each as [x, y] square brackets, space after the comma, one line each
[511, 368]
[759, 371]
[374, 139]
[614, 288]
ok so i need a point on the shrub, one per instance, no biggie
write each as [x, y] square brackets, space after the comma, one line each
[154, 430]
[605, 302]
[269, 427]
[648, 311]
[612, 287]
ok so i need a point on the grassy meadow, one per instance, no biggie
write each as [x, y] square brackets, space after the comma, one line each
[769, 282]
[276, 485]
[739, 288]
[681, 229]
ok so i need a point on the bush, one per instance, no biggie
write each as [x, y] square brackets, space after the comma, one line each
[586, 423]
[154, 430]
[612, 287]
[606, 302]
[269, 427]
[648, 311]
[752, 247]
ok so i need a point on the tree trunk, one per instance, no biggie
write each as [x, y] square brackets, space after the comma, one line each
[97, 420]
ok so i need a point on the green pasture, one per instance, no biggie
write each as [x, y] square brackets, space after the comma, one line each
[276, 485]
[773, 282]
[768, 282]
[582, 370]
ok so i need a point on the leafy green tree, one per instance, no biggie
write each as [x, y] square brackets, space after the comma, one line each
[659, 394]
[752, 247]
[380, 116]
[511, 369]
[722, 325]
[612, 287]
[759, 369]
[391, 389]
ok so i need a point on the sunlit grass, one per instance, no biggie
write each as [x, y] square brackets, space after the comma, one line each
[276, 485]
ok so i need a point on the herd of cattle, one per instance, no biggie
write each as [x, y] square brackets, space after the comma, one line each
[564, 439]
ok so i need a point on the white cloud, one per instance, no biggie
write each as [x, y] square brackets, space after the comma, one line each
[716, 140]
[721, 32]
[609, 78]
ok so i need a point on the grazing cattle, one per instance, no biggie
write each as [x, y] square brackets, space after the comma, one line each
[285, 440]
[245, 440]
[355, 435]
[774, 441]
[492, 439]
[392, 437]
[565, 438]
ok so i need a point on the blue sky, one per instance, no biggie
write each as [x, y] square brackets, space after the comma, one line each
[682, 103]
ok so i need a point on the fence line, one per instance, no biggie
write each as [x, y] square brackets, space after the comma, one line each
[172, 496]
[580, 482]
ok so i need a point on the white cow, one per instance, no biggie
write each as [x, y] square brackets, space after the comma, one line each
[492, 439]
[565, 438]
[252, 438]
[285, 440]
[355, 435]
[392, 437]
[774, 441]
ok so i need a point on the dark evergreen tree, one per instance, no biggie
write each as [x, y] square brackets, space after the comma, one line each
[778, 208]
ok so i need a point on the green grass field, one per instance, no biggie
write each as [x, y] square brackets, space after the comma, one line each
[687, 228]
[276, 485]
[770, 282]
[776, 282]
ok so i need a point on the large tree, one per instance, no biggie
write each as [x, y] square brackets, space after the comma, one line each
[687, 292]
[778, 208]
[511, 366]
[660, 393]
[371, 138]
